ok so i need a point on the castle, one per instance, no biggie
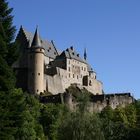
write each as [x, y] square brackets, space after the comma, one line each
[42, 68]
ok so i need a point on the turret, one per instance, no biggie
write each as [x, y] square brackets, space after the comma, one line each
[36, 66]
[85, 54]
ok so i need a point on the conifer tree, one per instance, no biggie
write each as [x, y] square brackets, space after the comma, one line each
[18, 119]
[7, 32]
[7, 50]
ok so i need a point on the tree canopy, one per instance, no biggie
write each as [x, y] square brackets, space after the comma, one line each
[23, 117]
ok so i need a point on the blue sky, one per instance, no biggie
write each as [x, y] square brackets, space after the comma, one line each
[109, 29]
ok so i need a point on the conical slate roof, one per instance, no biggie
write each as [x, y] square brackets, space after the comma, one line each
[36, 40]
[85, 54]
[50, 49]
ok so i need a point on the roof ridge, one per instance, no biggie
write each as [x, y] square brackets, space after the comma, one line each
[21, 30]
[24, 31]
[54, 46]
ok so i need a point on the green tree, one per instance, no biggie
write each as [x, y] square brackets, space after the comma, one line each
[34, 107]
[106, 117]
[19, 112]
[130, 111]
[19, 116]
[7, 32]
[80, 124]
[119, 124]
[51, 116]
[76, 126]
[29, 127]
[134, 132]
[12, 106]
[7, 79]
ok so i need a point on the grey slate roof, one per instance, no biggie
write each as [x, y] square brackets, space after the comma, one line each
[29, 36]
[50, 49]
[89, 68]
[52, 52]
[36, 40]
[71, 54]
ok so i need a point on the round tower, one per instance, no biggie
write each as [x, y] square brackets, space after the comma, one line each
[36, 66]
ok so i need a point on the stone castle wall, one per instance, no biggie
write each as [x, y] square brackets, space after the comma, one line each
[45, 69]
[73, 73]
[97, 102]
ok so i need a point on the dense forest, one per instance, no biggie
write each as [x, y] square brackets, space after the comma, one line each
[23, 117]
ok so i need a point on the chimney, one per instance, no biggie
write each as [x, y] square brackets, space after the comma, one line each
[71, 47]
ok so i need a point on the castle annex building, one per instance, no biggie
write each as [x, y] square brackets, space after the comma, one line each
[42, 68]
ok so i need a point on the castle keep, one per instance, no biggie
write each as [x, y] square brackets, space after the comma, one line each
[42, 68]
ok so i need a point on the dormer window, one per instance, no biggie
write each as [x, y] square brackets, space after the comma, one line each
[77, 55]
[72, 53]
